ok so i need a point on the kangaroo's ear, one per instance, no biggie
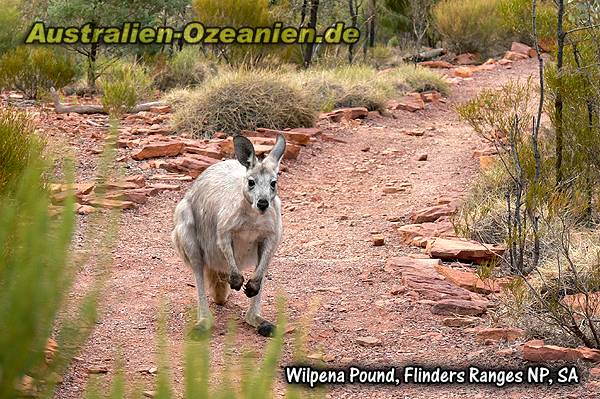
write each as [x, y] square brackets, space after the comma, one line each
[274, 157]
[244, 151]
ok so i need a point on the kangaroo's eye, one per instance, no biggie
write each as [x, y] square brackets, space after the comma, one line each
[273, 184]
[251, 183]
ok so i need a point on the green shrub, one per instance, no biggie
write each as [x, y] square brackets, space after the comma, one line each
[516, 18]
[19, 146]
[123, 86]
[185, 69]
[470, 25]
[418, 79]
[31, 69]
[243, 100]
[10, 25]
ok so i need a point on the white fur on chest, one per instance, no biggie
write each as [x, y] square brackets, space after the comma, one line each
[247, 238]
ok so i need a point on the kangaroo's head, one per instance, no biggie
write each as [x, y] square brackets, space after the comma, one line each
[260, 185]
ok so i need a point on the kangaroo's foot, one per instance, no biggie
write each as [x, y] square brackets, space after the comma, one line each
[236, 280]
[263, 327]
[252, 287]
[201, 329]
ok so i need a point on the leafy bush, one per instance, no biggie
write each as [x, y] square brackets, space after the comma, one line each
[123, 85]
[243, 100]
[19, 146]
[31, 69]
[517, 19]
[470, 25]
[184, 69]
[10, 24]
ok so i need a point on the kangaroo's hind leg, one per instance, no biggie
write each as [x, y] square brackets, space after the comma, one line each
[186, 242]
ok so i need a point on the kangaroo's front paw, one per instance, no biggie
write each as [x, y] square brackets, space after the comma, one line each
[266, 329]
[252, 287]
[236, 280]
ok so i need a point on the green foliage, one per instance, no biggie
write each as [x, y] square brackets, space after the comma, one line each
[32, 69]
[470, 25]
[238, 14]
[34, 256]
[10, 24]
[517, 19]
[123, 85]
[364, 86]
[242, 100]
[187, 68]
[19, 146]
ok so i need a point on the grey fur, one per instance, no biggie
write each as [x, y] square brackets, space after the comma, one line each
[219, 226]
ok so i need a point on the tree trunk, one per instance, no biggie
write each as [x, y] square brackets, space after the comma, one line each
[372, 20]
[354, 19]
[558, 101]
[312, 23]
[91, 71]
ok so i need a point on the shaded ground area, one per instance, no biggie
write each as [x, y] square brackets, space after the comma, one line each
[333, 201]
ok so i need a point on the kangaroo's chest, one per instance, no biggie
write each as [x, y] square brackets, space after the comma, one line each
[246, 240]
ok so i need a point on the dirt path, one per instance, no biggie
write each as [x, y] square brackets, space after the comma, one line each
[333, 201]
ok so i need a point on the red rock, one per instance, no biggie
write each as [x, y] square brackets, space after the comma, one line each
[486, 162]
[460, 321]
[431, 96]
[436, 64]
[589, 304]
[378, 240]
[467, 59]
[262, 146]
[346, 113]
[368, 341]
[420, 276]
[433, 213]
[297, 138]
[110, 204]
[192, 164]
[160, 109]
[155, 150]
[523, 49]
[485, 152]
[208, 150]
[159, 187]
[499, 334]
[504, 61]
[310, 131]
[465, 250]
[537, 351]
[119, 185]
[470, 281]
[138, 196]
[172, 176]
[512, 56]
[422, 157]
[411, 103]
[138, 180]
[418, 234]
[451, 306]
[463, 72]
[85, 209]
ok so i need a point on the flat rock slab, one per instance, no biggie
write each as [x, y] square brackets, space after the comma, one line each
[433, 213]
[420, 276]
[451, 307]
[464, 250]
[469, 280]
[156, 150]
[538, 351]
[418, 234]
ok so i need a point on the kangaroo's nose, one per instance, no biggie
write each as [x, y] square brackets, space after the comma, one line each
[262, 204]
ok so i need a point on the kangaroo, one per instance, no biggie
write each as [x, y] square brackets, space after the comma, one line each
[230, 220]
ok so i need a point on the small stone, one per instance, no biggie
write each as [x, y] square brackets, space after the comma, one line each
[378, 240]
[422, 157]
[97, 370]
[368, 341]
